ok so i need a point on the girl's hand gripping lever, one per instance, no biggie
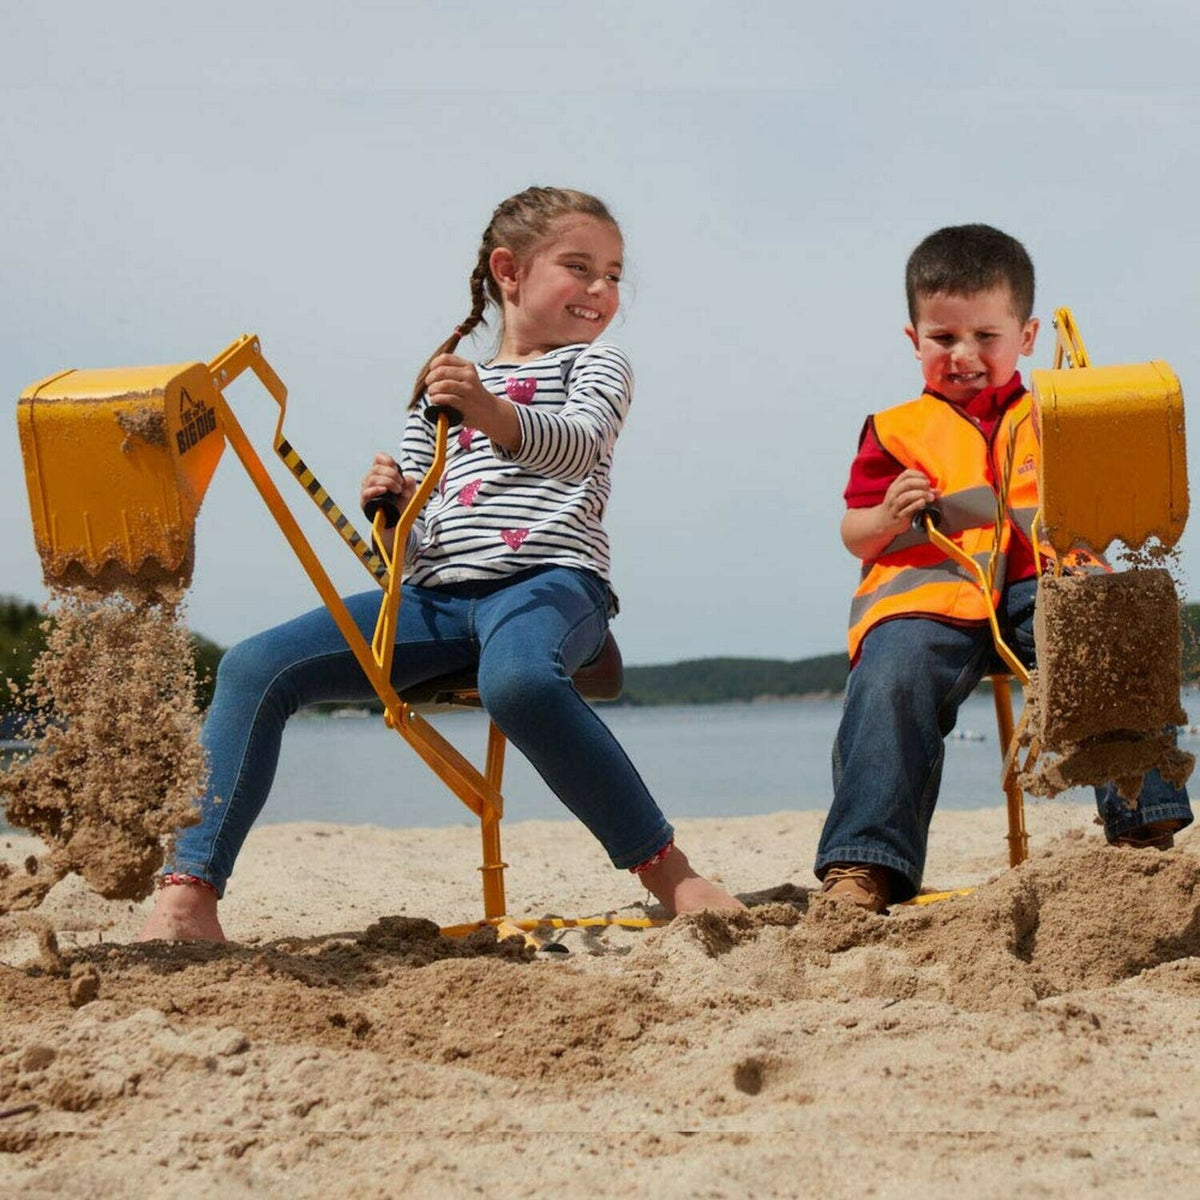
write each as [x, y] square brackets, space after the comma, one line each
[452, 387]
[386, 505]
[433, 411]
[385, 489]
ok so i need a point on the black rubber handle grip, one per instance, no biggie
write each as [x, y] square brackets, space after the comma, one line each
[433, 411]
[385, 503]
[932, 512]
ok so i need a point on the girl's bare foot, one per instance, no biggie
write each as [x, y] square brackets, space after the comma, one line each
[183, 912]
[680, 890]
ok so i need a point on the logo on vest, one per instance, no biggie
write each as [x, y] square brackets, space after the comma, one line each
[1027, 465]
[197, 419]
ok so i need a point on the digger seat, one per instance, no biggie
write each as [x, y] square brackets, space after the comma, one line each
[599, 679]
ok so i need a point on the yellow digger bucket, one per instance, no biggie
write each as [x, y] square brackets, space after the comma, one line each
[116, 465]
[1113, 453]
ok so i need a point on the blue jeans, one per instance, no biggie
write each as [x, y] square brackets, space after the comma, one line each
[902, 699]
[527, 634]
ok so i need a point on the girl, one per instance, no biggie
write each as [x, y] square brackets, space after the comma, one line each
[507, 568]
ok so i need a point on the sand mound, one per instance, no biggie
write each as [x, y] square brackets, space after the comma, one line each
[1079, 916]
[400, 988]
[1074, 917]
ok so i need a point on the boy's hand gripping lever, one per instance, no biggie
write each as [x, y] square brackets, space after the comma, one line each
[930, 512]
[928, 520]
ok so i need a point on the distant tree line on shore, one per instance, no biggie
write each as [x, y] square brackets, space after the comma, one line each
[697, 681]
[719, 680]
[22, 639]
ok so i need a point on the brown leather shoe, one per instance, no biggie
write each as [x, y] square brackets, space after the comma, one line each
[1158, 835]
[863, 884]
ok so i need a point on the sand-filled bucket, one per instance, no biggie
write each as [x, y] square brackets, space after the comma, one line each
[1105, 697]
[117, 462]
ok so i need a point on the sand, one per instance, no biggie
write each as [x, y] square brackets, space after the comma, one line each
[111, 703]
[1104, 700]
[1038, 1036]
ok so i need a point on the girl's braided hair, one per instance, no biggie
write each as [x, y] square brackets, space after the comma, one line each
[518, 223]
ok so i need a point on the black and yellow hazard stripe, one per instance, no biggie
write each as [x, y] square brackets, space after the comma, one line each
[335, 516]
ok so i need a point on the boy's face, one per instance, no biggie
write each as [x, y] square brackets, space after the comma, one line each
[968, 343]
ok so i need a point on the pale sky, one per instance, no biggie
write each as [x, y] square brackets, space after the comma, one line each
[321, 174]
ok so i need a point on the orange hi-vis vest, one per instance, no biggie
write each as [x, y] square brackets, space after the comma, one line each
[912, 577]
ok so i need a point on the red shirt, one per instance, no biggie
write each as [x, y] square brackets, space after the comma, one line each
[873, 468]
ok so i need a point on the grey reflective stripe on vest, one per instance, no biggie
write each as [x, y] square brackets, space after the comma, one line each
[968, 509]
[912, 578]
[1022, 518]
[1001, 573]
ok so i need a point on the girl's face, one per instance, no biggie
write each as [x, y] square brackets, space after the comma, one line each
[566, 289]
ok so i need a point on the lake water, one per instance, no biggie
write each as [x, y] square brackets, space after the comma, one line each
[698, 761]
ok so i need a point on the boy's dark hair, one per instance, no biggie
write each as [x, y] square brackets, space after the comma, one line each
[962, 260]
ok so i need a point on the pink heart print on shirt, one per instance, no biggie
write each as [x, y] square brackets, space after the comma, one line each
[464, 438]
[466, 494]
[520, 390]
[514, 537]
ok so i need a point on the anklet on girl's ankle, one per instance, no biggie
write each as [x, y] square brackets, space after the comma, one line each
[654, 859]
[175, 878]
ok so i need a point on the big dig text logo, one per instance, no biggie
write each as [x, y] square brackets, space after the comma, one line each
[197, 421]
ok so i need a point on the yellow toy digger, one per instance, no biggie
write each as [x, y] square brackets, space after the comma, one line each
[117, 463]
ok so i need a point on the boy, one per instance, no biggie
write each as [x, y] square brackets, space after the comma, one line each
[919, 639]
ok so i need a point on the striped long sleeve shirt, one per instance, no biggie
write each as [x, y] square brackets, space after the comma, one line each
[494, 512]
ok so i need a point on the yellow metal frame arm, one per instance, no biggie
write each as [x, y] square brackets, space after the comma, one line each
[383, 643]
[1068, 346]
[463, 779]
[964, 560]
